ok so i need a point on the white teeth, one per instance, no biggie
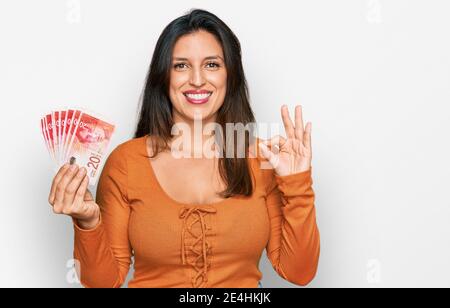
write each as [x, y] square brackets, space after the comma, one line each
[198, 96]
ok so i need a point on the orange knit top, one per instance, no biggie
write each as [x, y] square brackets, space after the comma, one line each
[179, 245]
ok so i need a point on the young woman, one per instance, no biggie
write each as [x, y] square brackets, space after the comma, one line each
[195, 222]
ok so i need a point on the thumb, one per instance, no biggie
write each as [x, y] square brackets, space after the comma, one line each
[88, 196]
[269, 155]
[278, 141]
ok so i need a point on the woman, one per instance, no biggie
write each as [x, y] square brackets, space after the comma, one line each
[195, 222]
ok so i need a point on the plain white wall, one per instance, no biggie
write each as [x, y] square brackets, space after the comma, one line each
[373, 77]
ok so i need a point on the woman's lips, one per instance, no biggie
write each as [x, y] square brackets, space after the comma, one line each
[198, 97]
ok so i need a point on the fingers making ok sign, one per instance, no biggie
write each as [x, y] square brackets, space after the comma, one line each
[292, 154]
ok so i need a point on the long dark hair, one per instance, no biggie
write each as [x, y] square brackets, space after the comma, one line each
[155, 117]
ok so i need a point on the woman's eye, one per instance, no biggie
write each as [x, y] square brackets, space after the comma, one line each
[212, 65]
[179, 65]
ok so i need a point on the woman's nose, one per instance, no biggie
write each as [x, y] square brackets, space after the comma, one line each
[197, 78]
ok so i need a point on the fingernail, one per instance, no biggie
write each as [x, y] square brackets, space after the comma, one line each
[72, 160]
[83, 171]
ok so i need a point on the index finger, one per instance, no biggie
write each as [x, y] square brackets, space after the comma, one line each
[62, 171]
[299, 123]
[288, 125]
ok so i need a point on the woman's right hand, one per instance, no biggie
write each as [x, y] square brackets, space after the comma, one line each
[69, 196]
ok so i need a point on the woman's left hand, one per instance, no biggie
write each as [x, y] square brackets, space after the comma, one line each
[294, 154]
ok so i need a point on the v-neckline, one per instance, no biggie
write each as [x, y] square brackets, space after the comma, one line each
[163, 192]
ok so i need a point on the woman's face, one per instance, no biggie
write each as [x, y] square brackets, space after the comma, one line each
[198, 77]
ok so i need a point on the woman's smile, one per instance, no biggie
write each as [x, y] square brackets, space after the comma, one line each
[197, 97]
[198, 77]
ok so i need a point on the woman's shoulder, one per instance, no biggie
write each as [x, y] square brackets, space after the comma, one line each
[132, 144]
[128, 149]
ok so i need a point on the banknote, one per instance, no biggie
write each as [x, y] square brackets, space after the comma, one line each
[77, 137]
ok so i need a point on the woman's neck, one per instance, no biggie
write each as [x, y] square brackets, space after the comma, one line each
[193, 139]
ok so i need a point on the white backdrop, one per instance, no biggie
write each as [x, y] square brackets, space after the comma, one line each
[373, 76]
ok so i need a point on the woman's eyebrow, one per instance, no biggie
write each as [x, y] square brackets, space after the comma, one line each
[214, 58]
[207, 58]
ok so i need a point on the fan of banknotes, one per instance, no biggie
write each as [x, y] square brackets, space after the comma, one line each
[77, 137]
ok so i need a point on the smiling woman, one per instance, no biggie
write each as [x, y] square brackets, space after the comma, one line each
[197, 74]
[196, 222]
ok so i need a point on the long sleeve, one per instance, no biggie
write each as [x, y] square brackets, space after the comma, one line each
[294, 244]
[104, 253]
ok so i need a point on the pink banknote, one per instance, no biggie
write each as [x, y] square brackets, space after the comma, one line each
[74, 136]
